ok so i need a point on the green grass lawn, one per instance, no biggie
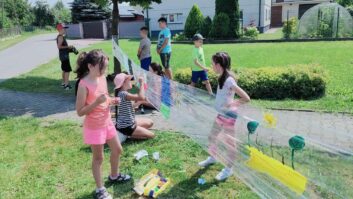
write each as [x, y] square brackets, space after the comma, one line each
[269, 36]
[40, 159]
[335, 57]
[8, 42]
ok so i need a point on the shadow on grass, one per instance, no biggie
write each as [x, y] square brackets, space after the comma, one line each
[35, 98]
[36, 84]
[189, 187]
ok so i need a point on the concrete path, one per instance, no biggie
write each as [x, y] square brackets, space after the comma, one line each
[37, 50]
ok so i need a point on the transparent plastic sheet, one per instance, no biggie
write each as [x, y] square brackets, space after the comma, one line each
[328, 20]
[262, 160]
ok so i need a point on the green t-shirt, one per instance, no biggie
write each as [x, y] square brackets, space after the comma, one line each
[200, 56]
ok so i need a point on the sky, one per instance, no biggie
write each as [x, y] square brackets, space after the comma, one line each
[52, 2]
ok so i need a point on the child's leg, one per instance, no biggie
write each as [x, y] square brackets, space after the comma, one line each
[144, 122]
[63, 77]
[142, 133]
[97, 161]
[115, 151]
[208, 87]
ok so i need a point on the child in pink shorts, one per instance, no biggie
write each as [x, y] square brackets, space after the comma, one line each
[93, 102]
[223, 133]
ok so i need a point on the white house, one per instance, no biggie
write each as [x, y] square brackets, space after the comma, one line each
[257, 12]
[286, 9]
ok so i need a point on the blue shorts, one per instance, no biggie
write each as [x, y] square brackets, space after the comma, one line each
[196, 75]
[145, 63]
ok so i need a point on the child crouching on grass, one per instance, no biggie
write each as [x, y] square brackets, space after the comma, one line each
[223, 131]
[93, 102]
[127, 124]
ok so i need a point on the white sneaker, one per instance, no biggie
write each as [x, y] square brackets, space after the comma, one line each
[210, 160]
[224, 174]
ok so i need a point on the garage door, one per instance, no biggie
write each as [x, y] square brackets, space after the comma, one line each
[93, 30]
[303, 8]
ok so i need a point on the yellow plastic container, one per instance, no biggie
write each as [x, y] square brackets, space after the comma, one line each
[152, 184]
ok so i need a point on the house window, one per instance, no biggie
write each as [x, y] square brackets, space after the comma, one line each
[173, 18]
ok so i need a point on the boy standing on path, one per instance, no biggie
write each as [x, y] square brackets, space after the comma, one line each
[144, 51]
[164, 48]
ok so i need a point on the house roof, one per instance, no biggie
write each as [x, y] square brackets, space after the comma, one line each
[127, 11]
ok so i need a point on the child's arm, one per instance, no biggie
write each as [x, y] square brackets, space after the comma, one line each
[60, 43]
[81, 107]
[244, 97]
[197, 63]
[139, 50]
[140, 96]
[163, 45]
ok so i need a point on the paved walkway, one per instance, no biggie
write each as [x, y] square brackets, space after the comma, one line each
[37, 50]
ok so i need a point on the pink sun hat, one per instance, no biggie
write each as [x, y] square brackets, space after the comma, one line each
[120, 79]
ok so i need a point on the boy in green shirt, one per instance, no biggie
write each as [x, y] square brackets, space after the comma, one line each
[199, 70]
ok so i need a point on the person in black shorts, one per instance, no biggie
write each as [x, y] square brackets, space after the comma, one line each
[126, 123]
[64, 56]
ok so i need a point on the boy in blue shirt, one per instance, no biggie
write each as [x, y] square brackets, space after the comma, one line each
[164, 48]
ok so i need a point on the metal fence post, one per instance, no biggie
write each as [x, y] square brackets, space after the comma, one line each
[338, 22]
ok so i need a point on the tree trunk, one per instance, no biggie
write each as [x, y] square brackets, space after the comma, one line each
[115, 33]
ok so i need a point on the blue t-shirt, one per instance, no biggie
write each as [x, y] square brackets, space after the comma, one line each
[165, 33]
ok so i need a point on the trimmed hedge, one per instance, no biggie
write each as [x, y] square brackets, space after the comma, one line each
[296, 82]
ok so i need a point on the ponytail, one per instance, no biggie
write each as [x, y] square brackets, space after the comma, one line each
[157, 68]
[224, 60]
[82, 65]
[93, 57]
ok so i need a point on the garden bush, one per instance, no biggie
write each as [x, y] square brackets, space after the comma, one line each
[295, 82]
[251, 33]
[206, 26]
[290, 28]
[220, 26]
[179, 37]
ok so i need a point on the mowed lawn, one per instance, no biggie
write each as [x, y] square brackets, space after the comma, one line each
[40, 159]
[335, 57]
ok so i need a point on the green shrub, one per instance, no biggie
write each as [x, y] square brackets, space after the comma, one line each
[251, 33]
[296, 82]
[179, 37]
[193, 22]
[206, 27]
[220, 26]
[231, 9]
[290, 28]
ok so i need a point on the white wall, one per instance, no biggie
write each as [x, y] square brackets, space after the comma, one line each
[250, 10]
[182, 7]
[290, 10]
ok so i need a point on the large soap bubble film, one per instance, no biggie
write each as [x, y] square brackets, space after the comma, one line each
[256, 147]
[326, 20]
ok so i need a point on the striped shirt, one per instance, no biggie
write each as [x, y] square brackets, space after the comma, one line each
[126, 114]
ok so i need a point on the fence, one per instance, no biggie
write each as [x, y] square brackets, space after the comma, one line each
[17, 30]
[10, 32]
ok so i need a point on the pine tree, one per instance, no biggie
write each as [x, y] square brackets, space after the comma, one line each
[193, 22]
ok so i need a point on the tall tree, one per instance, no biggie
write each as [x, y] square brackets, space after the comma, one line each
[88, 10]
[43, 14]
[193, 21]
[19, 12]
[230, 8]
[61, 13]
[115, 21]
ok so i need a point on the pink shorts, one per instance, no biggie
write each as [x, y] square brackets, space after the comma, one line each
[98, 136]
